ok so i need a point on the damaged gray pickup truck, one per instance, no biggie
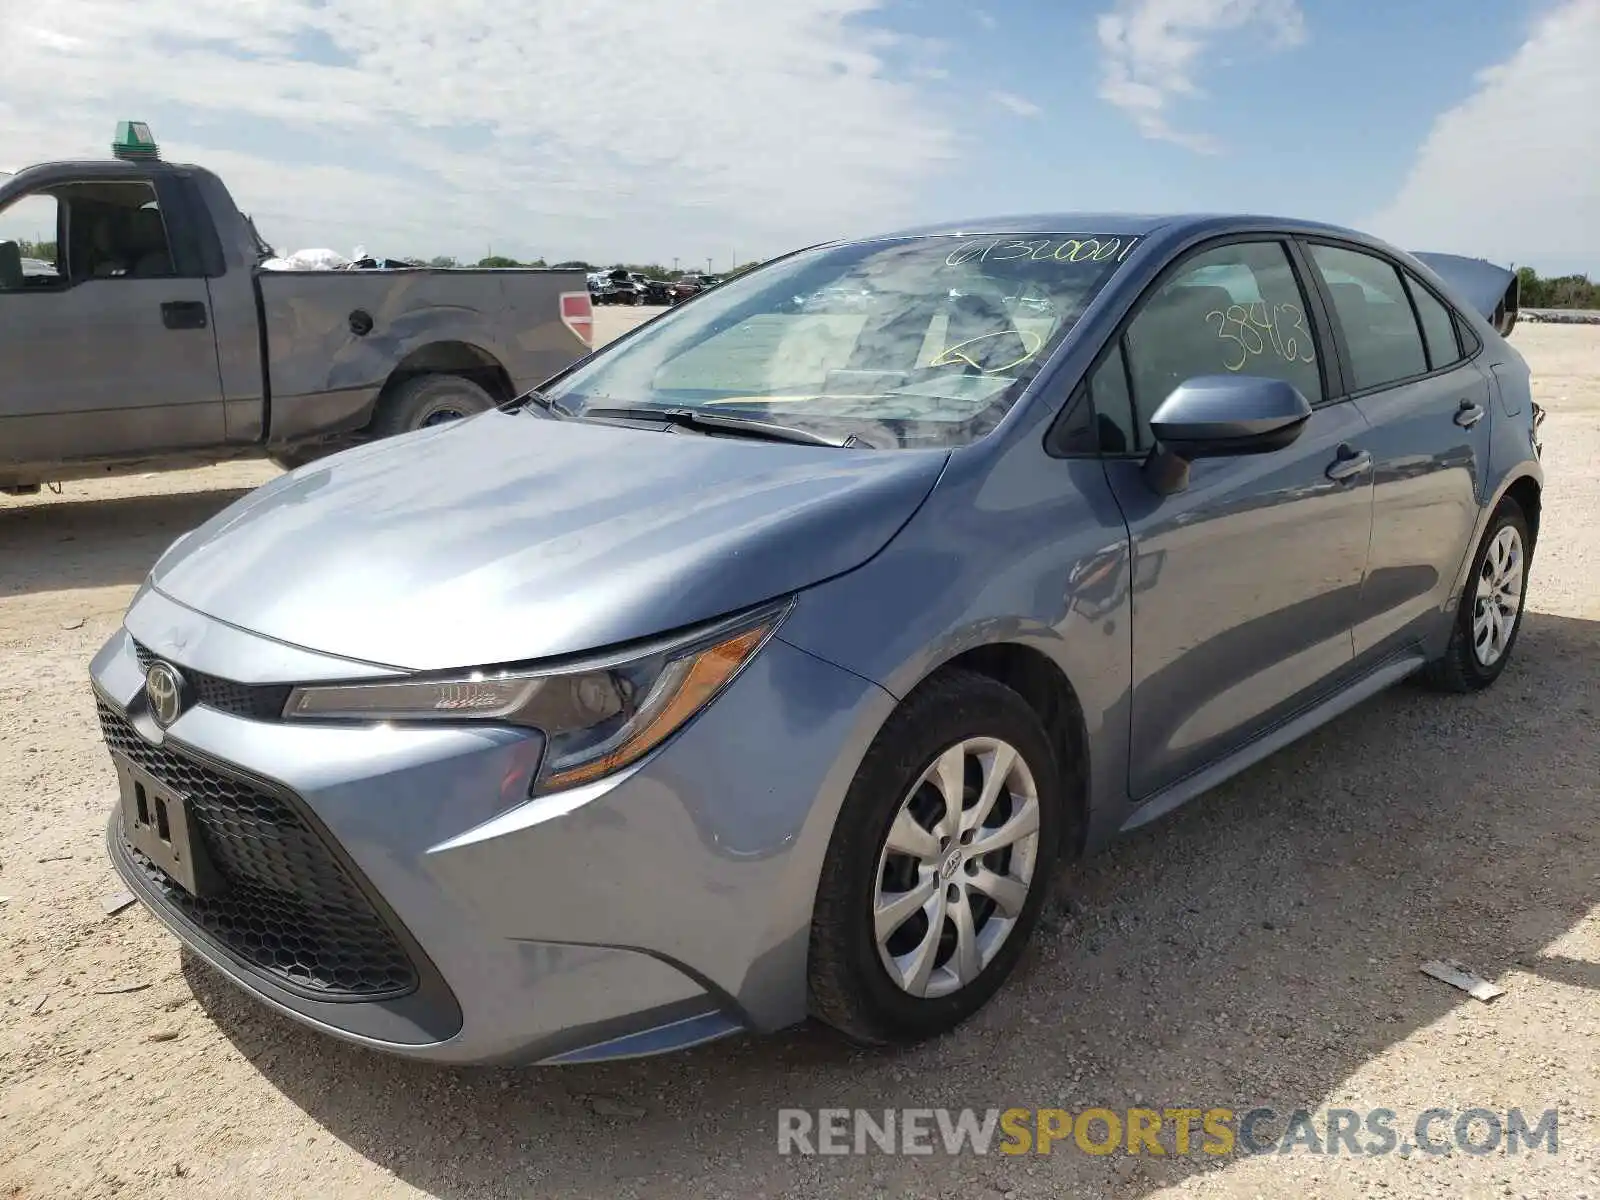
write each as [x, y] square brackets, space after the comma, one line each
[153, 338]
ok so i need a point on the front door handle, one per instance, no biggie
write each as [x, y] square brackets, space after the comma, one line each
[184, 314]
[1469, 414]
[1350, 464]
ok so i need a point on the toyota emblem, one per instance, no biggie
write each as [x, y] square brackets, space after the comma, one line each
[164, 689]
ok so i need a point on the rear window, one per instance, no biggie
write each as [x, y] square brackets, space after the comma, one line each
[905, 342]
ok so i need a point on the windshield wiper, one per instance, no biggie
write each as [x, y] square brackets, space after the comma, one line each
[535, 396]
[692, 418]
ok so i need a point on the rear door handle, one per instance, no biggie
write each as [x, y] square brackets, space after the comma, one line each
[1350, 463]
[184, 314]
[1468, 415]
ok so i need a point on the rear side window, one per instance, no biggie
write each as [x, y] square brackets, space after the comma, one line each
[1373, 310]
[1234, 309]
[1438, 326]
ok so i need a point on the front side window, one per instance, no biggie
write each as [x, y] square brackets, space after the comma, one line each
[1374, 312]
[910, 342]
[28, 252]
[1116, 429]
[1232, 310]
[116, 231]
[106, 229]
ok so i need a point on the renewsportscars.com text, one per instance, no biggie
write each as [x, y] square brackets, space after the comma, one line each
[1184, 1131]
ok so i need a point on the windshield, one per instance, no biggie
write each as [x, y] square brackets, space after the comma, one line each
[903, 343]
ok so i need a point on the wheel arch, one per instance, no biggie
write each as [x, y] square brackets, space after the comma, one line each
[453, 357]
[1529, 494]
[1040, 681]
[1526, 487]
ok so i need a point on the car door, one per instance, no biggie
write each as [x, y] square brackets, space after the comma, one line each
[1429, 405]
[1258, 562]
[111, 351]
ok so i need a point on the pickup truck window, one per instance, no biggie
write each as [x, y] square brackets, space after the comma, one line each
[113, 229]
[28, 244]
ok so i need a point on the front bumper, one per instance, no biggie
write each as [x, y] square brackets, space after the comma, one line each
[662, 907]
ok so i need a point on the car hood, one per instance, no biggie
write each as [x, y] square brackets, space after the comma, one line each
[514, 537]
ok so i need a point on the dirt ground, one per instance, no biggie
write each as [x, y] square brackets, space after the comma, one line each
[1260, 946]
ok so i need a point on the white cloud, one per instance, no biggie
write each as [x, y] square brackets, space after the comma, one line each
[985, 18]
[1513, 172]
[562, 127]
[1019, 105]
[1153, 50]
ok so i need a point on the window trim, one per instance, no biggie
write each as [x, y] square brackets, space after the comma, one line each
[1329, 368]
[1405, 273]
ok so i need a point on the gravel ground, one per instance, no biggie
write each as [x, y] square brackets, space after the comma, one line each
[1261, 945]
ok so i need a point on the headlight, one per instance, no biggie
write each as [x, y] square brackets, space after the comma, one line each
[597, 716]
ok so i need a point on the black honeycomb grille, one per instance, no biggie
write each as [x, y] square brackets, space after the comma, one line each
[260, 702]
[289, 908]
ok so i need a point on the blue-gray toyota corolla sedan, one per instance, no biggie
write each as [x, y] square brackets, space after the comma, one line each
[772, 660]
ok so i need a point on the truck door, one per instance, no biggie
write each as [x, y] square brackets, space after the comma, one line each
[106, 342]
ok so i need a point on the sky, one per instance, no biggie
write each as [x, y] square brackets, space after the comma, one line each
[730, 130]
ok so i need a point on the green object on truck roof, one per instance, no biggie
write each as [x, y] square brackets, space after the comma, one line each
[134, 141]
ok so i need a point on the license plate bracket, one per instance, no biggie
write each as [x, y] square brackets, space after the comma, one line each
[158, 823]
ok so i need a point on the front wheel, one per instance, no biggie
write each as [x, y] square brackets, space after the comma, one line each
[1490, 614]
[938, 866]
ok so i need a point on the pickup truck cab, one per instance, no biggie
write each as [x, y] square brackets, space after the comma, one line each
[146, 334]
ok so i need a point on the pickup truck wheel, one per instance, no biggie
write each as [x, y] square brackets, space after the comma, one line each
[426, 400]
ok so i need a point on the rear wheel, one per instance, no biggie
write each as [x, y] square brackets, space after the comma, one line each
[427, 400]
[1490, 614]
[938, 866]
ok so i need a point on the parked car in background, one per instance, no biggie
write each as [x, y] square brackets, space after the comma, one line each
[772, 660]
[154, 340]
[692, 285]
[657, 291]
[621, 287]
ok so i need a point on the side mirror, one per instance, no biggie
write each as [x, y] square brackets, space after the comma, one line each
[1219, 416]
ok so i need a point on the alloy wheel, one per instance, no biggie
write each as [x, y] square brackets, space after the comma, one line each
[1499, 597]
[956, 867]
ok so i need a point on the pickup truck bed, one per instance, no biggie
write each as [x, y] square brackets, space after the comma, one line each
[155, 340]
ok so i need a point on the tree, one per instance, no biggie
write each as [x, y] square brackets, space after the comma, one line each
[443, 260]
[498, 261]
[1530, 288]
[1562, 291]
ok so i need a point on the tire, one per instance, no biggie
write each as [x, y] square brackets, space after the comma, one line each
[850, 985]
[1462, 667]
[425, 400]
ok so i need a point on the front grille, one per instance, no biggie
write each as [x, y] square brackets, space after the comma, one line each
[288, 907]
[260, 702]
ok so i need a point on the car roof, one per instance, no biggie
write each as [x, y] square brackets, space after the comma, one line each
[1114, 224]
[106, 168]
